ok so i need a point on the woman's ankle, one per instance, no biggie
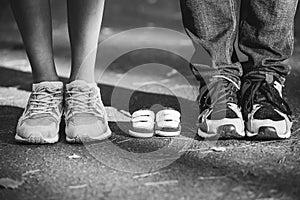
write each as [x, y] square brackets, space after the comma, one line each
[87, 79]
[45, 79]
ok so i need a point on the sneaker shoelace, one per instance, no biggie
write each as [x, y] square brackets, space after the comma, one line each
[43, 101]
[257, 90]
[220, 91]
[83, 102]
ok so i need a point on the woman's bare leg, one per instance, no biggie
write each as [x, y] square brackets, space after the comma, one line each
[84, 19]
[34, 21]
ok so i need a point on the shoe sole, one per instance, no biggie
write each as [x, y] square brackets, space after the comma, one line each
[151, 134]
[140, 134]
[226, 128]
[265, 129]
[167, 133]
[267, 133]
[37, 140]
[227, 131]
[86, 138]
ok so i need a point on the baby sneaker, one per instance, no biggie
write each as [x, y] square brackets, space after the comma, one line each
[267, 114]
[39, 123]
[167, 123]
[145, 124]
[142, 124]
[85, 115]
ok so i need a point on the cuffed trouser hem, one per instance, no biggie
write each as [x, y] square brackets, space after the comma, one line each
[203, 72]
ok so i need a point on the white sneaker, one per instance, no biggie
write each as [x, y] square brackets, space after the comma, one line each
[39, 123]
[85, 115]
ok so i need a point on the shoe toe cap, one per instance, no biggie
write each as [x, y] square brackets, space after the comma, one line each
[27, 131]
[93, 130]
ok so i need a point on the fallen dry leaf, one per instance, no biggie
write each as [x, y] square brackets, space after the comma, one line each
[9, 183]
[74, 156]
[218, 149]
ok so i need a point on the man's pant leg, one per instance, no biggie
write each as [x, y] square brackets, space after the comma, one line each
[267, 35]
[213, 25]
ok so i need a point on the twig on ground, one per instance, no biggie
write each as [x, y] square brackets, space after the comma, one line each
[218, 149]
[31, 172]
[211, 177]
[74, 156]
[145, 175]
[171, 182]
[195, 150]
[123, 141]
[298, 130]
[178, 138]
[74, 187]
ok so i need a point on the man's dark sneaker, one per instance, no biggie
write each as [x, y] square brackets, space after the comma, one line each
[220, 115]
[266, 113]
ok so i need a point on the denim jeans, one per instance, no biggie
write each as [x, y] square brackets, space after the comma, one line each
[265, 34]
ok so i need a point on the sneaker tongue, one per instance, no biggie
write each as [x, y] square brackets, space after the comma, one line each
[223, 88]
[83, 88]
[260, 97]
[48, 85]
[45, 87]
[44, 116]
